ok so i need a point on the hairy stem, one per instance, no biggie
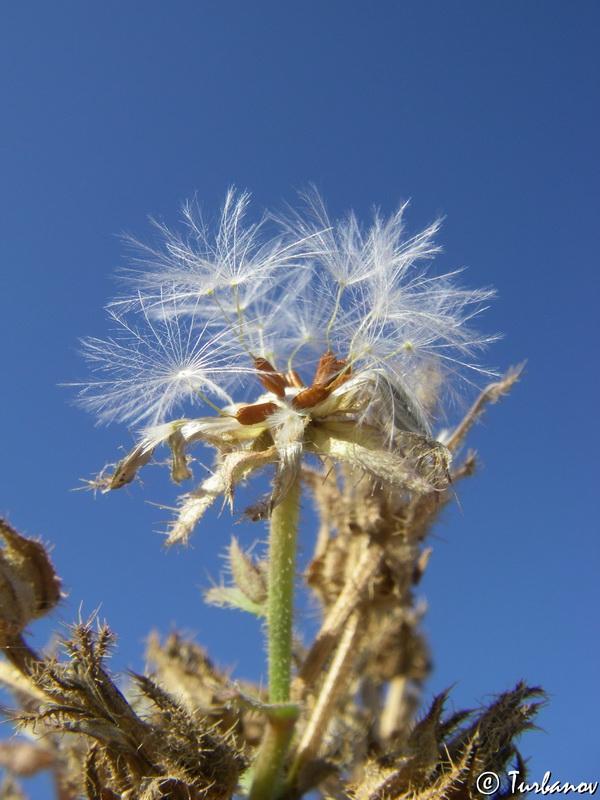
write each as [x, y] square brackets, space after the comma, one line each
[282, 571]
[274, 748]
[267, 769]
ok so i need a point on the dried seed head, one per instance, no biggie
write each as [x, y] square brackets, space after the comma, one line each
[324, 295]
[441, 759]
[354, 306]
[141, 747]
[29, 587]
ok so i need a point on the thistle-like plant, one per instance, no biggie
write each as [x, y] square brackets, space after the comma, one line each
[324, 353]
[353, 343]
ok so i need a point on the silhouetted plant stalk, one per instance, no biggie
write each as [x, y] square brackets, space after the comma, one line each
[354, 346]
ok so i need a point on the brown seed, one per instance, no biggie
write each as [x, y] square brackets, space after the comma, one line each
[328, 369]
[251, 415]
[270, 379]
[324, 368]
[308, 398]
[294, 379]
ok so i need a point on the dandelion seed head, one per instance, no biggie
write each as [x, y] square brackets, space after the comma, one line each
[212, 298]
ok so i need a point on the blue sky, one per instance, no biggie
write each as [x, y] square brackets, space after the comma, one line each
[486, 113]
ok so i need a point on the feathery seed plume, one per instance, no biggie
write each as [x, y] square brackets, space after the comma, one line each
[353, 341]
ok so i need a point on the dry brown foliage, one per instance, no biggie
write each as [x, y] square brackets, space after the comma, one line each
[185, 732]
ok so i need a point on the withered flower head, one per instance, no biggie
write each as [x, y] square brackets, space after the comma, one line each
[354, 343]
[29, 587]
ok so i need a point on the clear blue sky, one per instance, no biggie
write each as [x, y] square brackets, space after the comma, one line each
[485, 112]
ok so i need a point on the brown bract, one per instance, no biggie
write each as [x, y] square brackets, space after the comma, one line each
[29, 587]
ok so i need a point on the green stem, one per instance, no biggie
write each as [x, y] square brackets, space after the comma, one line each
[282, 573]
[267, 780]
[268, 767]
